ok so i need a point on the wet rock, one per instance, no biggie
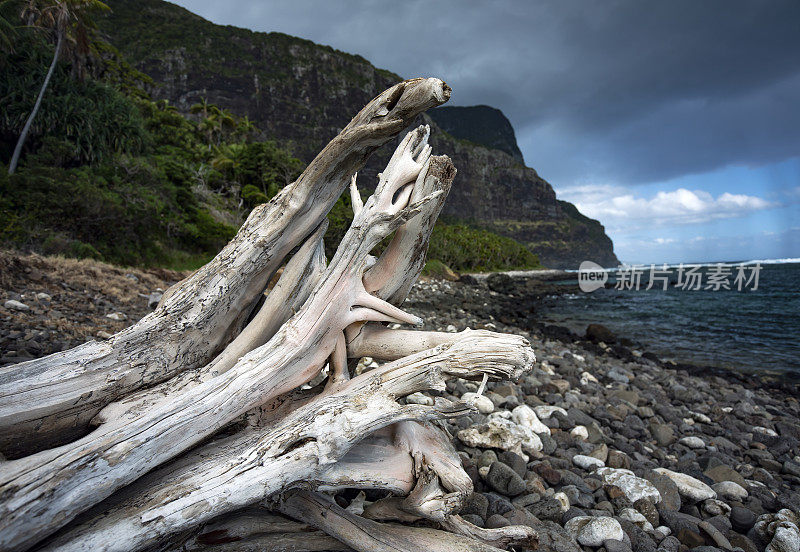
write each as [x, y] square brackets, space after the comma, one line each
[593, 531]
[689, 487]
[500, 283]
[598, 332]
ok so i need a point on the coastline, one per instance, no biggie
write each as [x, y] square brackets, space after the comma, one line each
[607, 419]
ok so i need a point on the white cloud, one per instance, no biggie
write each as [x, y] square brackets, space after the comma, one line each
[617, 205]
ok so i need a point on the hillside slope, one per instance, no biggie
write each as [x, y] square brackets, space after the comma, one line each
[301, 93]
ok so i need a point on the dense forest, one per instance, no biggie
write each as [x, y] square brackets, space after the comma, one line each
[108, 173]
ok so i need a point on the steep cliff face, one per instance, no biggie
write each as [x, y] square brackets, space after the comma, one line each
[493, 190]
[479, 124]
[295, 90]
[302, 94]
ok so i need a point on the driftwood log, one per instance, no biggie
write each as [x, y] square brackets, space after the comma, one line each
[230, 409]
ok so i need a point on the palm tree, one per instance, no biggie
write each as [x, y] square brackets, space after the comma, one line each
[68, 21]
[202, 107]
[245, 127]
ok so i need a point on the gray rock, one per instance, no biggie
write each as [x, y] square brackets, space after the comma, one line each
[514, 461]
[742, 519]
[473, 519]
[663, 434]
[593, 531]
[688, 486]
[547, 509]
[640, 541]
[476, 504]
[667, 489]
[632, 486]
[648, 510]
[730, 490]
[588, 463]
[669, 544]
[554, 538]
[692, 442]
[13, 304]
[616, 546]
[503, 479]
[497, 504]
[496, 522]
[722, 473]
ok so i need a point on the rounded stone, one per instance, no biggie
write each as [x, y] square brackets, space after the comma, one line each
[587, 462]
[503, 479]
[692, 442]
[633, 487]
[742, 519]
[594, 531]
[689, 487]
[496, 522]
[730, 490]
[481, 402]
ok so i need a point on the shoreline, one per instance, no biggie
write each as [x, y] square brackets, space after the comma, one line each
[717, 451]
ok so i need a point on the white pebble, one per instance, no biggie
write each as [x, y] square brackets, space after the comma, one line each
[563, 499]
[689, 487]
[11, 304]
[587, 462]
[692, 442]
[419, 398]
[545, 412]
[525, 416]
[481, 402]
[580, 432]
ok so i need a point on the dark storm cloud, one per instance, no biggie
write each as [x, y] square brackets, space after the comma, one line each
[629, 91]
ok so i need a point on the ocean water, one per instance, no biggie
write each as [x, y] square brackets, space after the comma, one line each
[750, 330]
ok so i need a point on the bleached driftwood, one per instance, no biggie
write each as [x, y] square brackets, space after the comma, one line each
[243, 370]
[51, 400]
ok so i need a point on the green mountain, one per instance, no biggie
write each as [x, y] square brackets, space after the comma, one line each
[301, 93]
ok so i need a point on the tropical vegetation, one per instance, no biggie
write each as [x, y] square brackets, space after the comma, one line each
[92, 166]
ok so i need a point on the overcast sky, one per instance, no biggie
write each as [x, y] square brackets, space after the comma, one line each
[675, 123]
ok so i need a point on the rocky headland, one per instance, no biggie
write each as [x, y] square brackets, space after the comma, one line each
[602, 447]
